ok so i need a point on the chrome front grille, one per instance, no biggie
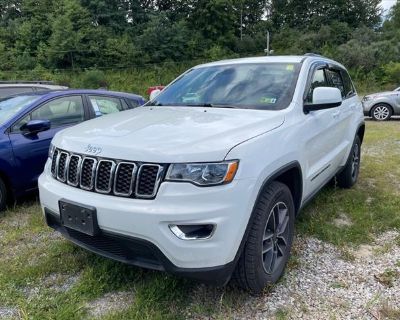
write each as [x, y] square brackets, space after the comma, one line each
[107, 176]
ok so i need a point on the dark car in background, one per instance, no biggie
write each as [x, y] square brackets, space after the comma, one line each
[28, 123]
[10, 88]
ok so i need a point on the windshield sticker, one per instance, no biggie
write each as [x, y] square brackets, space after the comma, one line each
[267, 100]
[290, 67]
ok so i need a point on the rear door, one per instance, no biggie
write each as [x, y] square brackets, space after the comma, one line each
[339, 78]
[31, 150]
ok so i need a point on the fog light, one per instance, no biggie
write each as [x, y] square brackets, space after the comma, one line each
[193, 231]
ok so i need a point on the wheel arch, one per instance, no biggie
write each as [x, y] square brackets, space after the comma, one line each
[284, 175]
[361, 132]
[8, 184]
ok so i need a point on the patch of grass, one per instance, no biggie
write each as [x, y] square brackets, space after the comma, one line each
[388, 277]
[389, 312]
[282, 314]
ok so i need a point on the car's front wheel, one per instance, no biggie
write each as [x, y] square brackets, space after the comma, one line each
[381, 112]
[267, 248]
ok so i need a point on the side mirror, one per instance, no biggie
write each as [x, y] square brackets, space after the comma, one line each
[154, 93]
[36, 126]
[324, 98]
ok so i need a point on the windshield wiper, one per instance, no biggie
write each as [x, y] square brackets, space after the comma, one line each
[212, 105]
[155, 103]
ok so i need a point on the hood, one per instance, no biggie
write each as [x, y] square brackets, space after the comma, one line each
[382, 94]
[168, 134]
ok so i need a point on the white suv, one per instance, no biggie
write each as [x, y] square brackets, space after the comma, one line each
[206, 180]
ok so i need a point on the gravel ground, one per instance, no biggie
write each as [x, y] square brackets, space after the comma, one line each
[9, 313]
[110, 302]
[325, 286]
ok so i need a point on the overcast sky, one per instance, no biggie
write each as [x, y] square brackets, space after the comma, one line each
[387, 4]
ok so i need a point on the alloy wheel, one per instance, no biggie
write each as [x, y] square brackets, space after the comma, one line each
[381, 112]
[275, 239]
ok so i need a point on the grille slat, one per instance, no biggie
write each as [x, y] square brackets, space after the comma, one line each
[54, 162]
[148, 178]
[119, 178]
[124, 179]
[62, 166]
[74, 170]
[87, 173]
[104, 176]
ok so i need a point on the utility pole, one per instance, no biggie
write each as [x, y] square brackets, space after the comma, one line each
[268, 51]
[241, 21]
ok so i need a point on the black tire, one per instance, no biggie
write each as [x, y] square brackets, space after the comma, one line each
[3, 195]
[252, 272]
[381, 112]
[349, 175]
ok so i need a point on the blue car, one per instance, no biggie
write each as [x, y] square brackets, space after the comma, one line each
[29, 121]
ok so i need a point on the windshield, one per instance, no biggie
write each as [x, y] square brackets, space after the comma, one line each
[268, 86]
[11, 106]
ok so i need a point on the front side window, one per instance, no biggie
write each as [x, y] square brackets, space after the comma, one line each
[318, 80]
[336, 80]
[60, 112]
[103, 105]
[266, 86]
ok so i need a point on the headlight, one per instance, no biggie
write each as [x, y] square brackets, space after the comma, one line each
[203, 174]
[51, 150]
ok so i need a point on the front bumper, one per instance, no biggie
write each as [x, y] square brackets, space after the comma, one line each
[367, 105]
[228, 207]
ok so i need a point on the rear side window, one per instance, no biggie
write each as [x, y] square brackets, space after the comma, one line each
[336, 80]
[9, 91]
[318, 80]
[348, 85]
[103, 105]
[133, 103]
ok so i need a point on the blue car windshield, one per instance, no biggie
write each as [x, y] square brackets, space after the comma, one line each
[9, 107]
[265, 86]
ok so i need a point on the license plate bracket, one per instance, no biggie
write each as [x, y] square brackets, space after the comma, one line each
[79, 217]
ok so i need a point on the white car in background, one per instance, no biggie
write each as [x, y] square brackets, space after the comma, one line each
[382, 106]
[206, 180]
[10, 88]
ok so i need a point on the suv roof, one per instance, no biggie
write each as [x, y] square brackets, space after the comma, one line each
[26, 82]
[272, 59]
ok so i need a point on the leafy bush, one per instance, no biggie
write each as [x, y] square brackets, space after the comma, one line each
[392, 72]
[94, 79]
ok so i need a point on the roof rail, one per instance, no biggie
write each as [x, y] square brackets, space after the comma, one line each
[27, 82]
[311, 54]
